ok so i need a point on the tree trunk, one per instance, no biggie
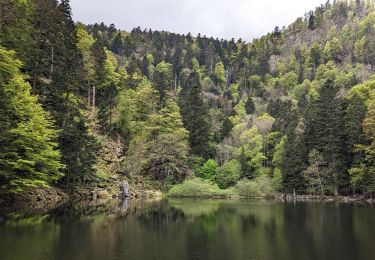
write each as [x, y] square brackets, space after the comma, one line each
[110, 115]
[93, 100]
[89, 96]
[52, 54]
[175, 83]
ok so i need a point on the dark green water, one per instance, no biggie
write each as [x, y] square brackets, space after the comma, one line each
[185, 229]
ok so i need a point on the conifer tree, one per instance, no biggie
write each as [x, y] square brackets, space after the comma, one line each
[195, 116]
[327, 135]
[28, 151]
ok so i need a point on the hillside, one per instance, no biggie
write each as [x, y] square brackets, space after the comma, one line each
[292, 111]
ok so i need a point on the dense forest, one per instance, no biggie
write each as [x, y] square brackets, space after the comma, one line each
[293, 110]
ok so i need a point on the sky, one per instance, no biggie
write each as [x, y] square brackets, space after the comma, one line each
[246, 19]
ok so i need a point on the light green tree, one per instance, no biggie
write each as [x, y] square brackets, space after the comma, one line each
[28, 152]
[220, 72]
[208, 170]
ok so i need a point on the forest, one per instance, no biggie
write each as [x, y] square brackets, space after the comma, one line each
[290, 112]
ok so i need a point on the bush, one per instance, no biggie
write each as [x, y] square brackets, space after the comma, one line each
[248, 189]
[209, 170]
[259, 187]
[198, 188]
[229, 174]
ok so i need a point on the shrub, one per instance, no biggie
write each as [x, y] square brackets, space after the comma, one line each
[248, 189]
[209, 170]
[259, 187]
[228, 174]
[198, 188]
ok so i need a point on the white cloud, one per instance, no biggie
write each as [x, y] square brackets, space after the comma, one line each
[244, 19]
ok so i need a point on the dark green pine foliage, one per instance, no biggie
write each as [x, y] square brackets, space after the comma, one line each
[163, 77]
[312, 21]
[15, 28]
[355, 114]
[326, 133]
[78, 147]
[106, 90]
[250, 106]
[98, 53]
[56, 75]
[293, 164]
[294, 159]
[117, 44]
[194, 114]
[226, 128]
[284, 114]
[246, 169]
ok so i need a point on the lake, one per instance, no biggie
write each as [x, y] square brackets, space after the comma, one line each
[188, 229]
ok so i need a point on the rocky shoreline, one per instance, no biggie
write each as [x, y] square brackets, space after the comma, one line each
[318, 198]
[44, 199]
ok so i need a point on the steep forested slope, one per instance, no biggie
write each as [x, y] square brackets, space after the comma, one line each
[294, 107]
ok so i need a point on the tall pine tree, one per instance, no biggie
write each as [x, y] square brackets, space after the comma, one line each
[195, 116]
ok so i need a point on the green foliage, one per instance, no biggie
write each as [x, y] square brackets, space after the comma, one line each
[163, 79]
[107, 90]
[28, 154]
[259, 187]
[366, 44]
[250, 106]
[208, 170]
[220, 72]
[279, 98]
[316, 175]
[194, 114]
[363, 175]
[365, 92]
[332, 50]
[301, 89]
[288, 82]
[158, 141]
[228, 174]
[199, 188]
[85, 43]
[250, 147]
[327, 136]
[277, 160]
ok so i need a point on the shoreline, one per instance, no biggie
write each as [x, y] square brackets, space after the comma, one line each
[45, 200]
[286, 198]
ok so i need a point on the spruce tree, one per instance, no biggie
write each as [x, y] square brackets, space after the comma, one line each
[250, 106]
[57, 75]
[195, 116]
[327, 135]
[117, 44]
[28, 151]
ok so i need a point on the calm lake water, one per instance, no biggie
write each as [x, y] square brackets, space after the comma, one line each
[187, 229]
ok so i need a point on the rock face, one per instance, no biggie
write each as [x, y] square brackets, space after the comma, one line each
[116, 186]
[125, 188]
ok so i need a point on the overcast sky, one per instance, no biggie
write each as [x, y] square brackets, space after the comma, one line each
[227, 19]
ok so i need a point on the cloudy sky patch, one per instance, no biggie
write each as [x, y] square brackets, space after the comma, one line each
[227, 19]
